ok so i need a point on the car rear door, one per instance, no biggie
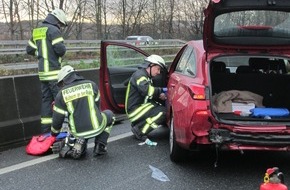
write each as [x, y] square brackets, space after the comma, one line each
[187, 91]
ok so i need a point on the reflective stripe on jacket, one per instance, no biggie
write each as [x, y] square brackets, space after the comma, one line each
[79, 99]
[47, 44]
[139, 95]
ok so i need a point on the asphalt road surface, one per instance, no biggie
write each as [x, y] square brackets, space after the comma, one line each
[127, 167]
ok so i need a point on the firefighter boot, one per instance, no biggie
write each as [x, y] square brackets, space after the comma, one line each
[79, 148]
[65, 152]
[138, 134]
[61, 148]
[66, 147]
[100, 149]
[57, 146]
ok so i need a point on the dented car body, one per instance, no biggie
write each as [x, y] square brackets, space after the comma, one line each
[216, 84]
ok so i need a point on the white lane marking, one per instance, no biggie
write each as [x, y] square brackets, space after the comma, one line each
[53, 156]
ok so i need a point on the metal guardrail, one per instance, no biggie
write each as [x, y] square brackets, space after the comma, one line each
[14, 48]
[18, 46]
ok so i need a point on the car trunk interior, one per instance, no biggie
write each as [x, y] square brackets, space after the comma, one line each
[234, 79]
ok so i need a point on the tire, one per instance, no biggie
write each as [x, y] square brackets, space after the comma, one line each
[177, 154]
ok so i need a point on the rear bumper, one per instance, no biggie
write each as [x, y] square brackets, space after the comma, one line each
[248, 140]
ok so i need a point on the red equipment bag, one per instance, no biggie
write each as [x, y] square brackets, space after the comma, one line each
[40, 145]
[273, 186]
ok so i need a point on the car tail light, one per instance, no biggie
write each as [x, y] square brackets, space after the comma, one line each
[199, 97]
[201, 113]
[197, 92]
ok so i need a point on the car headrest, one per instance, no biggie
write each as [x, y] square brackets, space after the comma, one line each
[243, 69]
[218, 67]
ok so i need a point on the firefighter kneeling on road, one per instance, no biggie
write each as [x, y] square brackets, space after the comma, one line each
[142, 98]
[79, 100]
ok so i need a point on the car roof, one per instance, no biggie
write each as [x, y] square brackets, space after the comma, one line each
[247, 24]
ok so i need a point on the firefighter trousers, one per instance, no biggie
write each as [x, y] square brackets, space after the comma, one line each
[49, 90]
[151, 119]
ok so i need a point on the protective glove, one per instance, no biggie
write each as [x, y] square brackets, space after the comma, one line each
[162, 96]
[61, 136]
[57, 146]
[164, 90]
[53, 134]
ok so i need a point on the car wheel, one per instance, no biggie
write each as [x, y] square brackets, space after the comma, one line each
[177, 153]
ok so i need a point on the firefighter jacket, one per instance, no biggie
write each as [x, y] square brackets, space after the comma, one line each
[79, 100]
[140, 94]
[47, 44]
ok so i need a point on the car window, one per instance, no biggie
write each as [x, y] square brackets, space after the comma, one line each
[253, 23]
[266, 65]
[185, 64]
[122, 56]
[131, 38]
[190, 67]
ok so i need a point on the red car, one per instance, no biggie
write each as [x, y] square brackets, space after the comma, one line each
[231, 90]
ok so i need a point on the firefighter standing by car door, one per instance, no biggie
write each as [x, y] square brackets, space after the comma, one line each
[47, 44]
[142, 106]
[79, 100]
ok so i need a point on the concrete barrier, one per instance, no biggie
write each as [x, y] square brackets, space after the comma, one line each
[9, 114]
[20, 107]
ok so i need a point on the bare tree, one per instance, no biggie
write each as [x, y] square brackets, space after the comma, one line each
[193, 18]
[8, 15]
[80, 17]
[171, 17]
[102, 19]
[123, 13]
[130, 16]
[106, 31]
[18, 20]
[77, 16]
[98, 8]
[33, 12]
[12, 17]
[97, 14]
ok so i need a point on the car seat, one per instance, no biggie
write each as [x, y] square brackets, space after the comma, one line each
[258, 64]
[242, 69]
[218, 67]
[277, 66]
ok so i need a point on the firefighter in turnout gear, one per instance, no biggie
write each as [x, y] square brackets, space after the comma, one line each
[142, 106]
[47, 44]
[79, 100]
